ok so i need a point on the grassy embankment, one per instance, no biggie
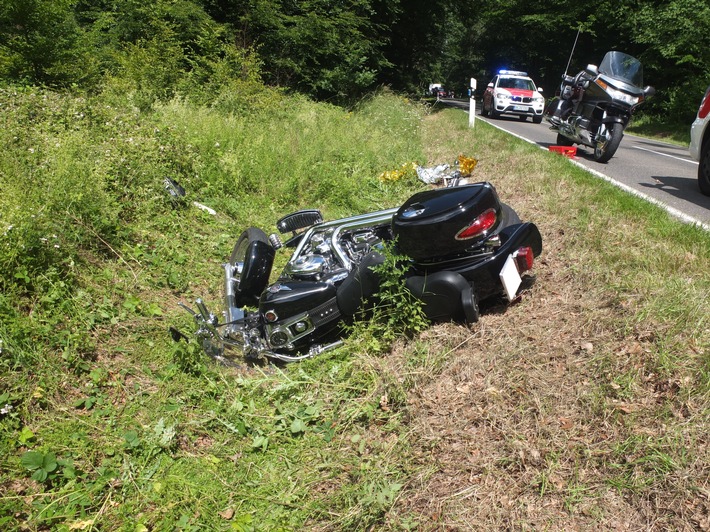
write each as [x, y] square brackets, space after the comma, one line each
[595, 386]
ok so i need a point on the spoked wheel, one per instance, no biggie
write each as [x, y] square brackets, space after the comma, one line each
[251, 261]
[704, 170]
[608, 142]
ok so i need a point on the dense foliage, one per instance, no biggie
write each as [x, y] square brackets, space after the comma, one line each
[340, 50]
[95, 255]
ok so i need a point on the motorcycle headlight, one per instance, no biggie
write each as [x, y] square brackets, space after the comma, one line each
[620, 95]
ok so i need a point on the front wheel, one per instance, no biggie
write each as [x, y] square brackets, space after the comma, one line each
[608, 142]
[704, 170]
[537, 119]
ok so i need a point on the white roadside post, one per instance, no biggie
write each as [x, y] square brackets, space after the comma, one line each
[472, 104]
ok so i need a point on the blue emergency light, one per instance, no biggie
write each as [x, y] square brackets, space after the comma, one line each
[512, 72]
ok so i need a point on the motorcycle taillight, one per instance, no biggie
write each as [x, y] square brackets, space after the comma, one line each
[479, 226]
[524, 258]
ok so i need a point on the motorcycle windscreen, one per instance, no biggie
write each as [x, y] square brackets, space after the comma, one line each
[622, 66]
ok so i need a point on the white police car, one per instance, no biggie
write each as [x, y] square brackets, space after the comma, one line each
[513, 92]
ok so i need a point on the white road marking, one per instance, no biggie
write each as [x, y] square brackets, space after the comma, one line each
[667, 155]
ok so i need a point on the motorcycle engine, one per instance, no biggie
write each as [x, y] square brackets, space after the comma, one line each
[318, 261]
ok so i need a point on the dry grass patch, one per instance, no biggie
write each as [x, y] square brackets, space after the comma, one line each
[579, 407]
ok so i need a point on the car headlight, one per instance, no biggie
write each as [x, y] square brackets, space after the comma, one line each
[502, 96]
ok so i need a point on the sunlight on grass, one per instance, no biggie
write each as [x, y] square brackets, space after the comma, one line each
[586, 396]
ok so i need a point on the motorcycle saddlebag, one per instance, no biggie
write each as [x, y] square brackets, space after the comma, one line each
[429, 223]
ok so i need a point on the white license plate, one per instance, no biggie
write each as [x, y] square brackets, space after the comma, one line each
[510, 278]
[520, 108]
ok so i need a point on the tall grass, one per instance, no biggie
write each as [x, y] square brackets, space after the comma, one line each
[106, 424]
[94, 256]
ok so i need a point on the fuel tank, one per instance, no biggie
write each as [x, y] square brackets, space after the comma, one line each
[291, 298]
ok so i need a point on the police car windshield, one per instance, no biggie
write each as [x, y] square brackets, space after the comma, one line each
[516, 83]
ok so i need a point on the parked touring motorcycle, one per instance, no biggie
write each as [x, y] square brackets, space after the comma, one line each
[463, 244]
[595, 106]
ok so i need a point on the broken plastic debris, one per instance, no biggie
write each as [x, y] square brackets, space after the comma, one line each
[433, 174]
[204, 208]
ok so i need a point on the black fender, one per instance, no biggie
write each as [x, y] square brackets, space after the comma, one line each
[446, 296]
[360, 285]
[621, 118]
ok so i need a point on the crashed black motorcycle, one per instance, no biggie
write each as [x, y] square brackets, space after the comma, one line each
[462, 243]
[595, 106]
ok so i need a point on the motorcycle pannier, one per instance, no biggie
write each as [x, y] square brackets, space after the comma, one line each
[429, 224]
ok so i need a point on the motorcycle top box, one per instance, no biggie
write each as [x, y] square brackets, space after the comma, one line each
[446, 221]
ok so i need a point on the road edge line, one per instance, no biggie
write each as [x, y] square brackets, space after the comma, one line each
[626, 188]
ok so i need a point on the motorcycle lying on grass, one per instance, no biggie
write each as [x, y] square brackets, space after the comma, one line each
[463, 245]
[596, 105]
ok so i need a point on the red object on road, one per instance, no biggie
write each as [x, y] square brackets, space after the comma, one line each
[567, 151]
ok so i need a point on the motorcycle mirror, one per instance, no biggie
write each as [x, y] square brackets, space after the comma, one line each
[592, 70]
[649, 91]
[173, 187]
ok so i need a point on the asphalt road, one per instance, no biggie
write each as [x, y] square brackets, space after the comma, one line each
[659, 172]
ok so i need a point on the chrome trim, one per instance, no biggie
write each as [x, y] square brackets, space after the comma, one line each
[232, 314]
[377, 218]
[285, 327]
[338, 226]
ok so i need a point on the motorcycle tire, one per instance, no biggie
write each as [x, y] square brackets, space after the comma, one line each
[704, 170]
[616, 132]
[510, 217]
[251, 261]
[563, 141]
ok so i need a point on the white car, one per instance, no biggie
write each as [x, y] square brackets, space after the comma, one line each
[700, 143]
[513, 92]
